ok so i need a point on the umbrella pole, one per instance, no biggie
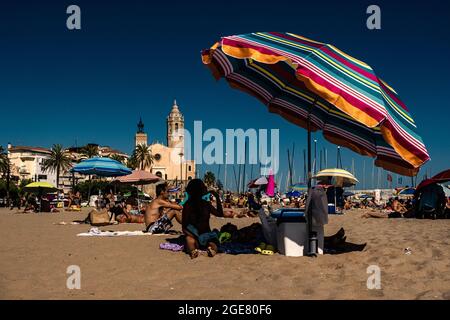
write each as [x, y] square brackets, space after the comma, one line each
[309, 212]
[335, 201]
[40, 199]
[89, 193]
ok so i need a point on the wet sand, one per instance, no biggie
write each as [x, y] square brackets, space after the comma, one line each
[35, 254]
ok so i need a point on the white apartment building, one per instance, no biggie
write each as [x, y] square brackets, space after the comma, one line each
[26, 163]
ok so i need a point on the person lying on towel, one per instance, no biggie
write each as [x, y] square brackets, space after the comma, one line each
[160, 212]
[127, 212]
[196, 214]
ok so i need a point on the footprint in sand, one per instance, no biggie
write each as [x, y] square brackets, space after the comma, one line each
[376, 293]
[308, 291]
[421, 295]
[435, 253]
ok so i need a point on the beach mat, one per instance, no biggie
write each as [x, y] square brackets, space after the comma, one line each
[95, 232]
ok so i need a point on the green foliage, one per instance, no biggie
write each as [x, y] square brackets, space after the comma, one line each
[209, 179]
[143, 156]
[103, 186]
[13, 190]
[4, 161]
[24, 182]
[59, 161]
[90, 151]
[118, 157]
[132, 162]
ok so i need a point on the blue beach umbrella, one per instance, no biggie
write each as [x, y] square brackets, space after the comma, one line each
[294, 193]
[103, 167]
[407, 192]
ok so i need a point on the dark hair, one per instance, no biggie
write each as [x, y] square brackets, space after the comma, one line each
[160, 188]
[196, 189]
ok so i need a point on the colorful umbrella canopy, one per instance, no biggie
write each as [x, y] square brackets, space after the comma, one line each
[299, 187]
[294, 193]
[407, 192]
[40, 187]
[139, 177]
[270, 190]
[352, 106]
[441, 177]
[336, 177]
[104, 167]
[261, 181]
[252, 185]
[176, 189]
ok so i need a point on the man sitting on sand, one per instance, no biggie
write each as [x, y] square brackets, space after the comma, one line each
[160, 212]
[196, 214]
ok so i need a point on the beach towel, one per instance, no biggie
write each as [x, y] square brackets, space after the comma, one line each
[237, 248]
[171, 246]
[63, 223]
[95, 232]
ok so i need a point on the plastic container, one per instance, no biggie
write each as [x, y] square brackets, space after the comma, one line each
[292, 235]
[331, 208]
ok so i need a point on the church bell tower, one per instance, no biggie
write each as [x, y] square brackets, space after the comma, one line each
[141, 136]
[175, 126]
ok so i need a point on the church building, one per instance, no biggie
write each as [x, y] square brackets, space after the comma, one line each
[169, 162]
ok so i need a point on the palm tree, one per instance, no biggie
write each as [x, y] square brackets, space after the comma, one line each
[58, 161]
[143, 155]
[90, 151]
[4, 161]
[209, 179]
[117, 157]
[132, 162]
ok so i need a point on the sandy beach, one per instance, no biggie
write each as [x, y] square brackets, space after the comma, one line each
[35, 254]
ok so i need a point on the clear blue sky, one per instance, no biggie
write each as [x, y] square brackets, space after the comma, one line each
[133, 58]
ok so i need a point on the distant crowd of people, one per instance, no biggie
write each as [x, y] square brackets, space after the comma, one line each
[429, 202]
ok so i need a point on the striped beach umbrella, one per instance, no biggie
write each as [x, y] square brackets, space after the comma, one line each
[104, 167]
[337, 177]
[301, 79]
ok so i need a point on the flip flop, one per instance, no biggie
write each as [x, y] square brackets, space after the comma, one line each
[260, 247]
[269, 250]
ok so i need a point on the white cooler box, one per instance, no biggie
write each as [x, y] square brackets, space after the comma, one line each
[292, 235]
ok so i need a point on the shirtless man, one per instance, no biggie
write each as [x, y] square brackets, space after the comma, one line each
[160, 212]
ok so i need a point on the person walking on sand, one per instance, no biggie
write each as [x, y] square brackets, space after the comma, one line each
[196, 215]
[160, 212]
